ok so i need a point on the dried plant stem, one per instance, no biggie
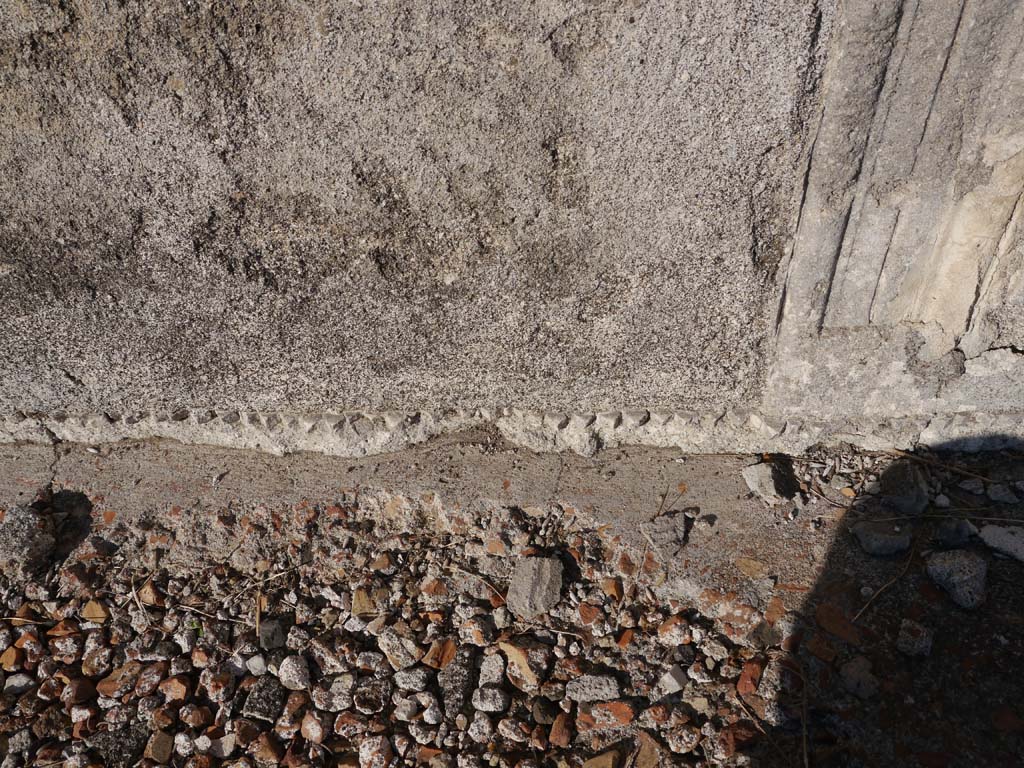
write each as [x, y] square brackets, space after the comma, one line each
[885, 586]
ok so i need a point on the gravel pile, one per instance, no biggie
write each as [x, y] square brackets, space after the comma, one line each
[520, 639]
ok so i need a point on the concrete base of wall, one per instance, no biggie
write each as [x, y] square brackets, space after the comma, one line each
[672, 224]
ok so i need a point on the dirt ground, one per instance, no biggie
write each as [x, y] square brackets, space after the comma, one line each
[739, 618]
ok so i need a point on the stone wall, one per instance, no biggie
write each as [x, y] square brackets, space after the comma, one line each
[905, 290]
[318, 226]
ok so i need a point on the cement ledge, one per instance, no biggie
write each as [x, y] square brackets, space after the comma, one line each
[359, 433]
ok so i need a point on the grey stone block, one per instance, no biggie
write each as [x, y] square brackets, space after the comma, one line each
[535, 587]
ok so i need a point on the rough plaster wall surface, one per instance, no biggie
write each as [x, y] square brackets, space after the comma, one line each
[746, 225]
[282, 205]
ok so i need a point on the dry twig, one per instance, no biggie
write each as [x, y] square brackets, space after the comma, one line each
[757, 724]
[799, 671]
[885, 586]
[190, 609]
[25, 621]
[820, 495]
[493, 588]
[1009, 520]
[259, 583]
[552, 629]
[138, 602]
[940, 464]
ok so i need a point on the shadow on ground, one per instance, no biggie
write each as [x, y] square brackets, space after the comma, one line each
[910, 651]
